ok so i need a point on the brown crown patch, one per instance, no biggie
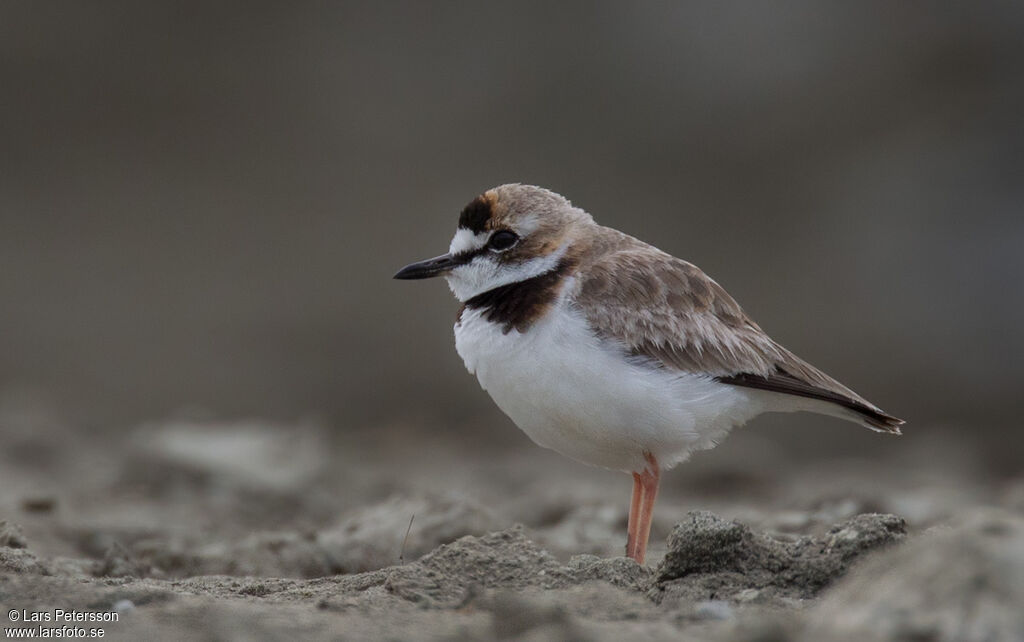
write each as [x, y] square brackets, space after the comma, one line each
[477, 215]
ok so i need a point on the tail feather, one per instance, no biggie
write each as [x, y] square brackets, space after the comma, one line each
[881, 422]
[847, 406]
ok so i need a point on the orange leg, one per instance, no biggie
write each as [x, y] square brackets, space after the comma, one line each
[641, 509]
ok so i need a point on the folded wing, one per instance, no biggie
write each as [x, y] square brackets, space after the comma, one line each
[667, 310]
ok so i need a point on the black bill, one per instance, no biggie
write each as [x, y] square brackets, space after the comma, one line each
[431, 267]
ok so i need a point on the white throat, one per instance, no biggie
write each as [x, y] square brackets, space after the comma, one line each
[483, 273]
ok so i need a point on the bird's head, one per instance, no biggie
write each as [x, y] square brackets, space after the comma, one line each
[507, 234]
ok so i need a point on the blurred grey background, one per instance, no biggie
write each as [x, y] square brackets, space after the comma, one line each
[202, 204]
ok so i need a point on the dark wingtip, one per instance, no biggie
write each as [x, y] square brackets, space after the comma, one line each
[782, 382]
[884, 423]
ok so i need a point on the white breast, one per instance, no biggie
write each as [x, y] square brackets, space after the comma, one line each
[583, 397]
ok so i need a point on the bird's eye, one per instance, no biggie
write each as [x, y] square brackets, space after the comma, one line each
[502, 240]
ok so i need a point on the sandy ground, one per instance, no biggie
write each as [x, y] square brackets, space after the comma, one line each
[197, 529]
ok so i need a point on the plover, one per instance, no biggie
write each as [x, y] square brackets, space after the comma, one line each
[610, 351]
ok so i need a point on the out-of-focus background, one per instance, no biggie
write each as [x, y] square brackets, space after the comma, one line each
[207, 370]
[202, 204]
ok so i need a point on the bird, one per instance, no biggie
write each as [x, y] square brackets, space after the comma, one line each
[610, 351]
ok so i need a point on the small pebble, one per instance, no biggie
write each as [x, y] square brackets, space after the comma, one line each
[714, 610]
[748, 595]
[40, 504]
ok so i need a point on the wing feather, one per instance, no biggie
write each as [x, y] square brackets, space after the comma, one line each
[667, 310]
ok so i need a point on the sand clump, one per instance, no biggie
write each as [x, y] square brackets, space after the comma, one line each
[713, 559]
[718, 578]
[958, 583]
[306, 540]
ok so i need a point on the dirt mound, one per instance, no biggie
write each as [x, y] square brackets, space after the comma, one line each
[713, 559]
[962, 583]
[255, 532]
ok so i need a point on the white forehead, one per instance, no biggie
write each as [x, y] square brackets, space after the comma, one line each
[466, 240]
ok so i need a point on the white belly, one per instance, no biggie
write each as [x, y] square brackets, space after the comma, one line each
[570, 392]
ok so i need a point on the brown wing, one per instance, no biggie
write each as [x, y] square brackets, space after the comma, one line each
[669, 311]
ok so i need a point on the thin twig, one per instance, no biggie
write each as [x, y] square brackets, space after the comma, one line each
[401, 554]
